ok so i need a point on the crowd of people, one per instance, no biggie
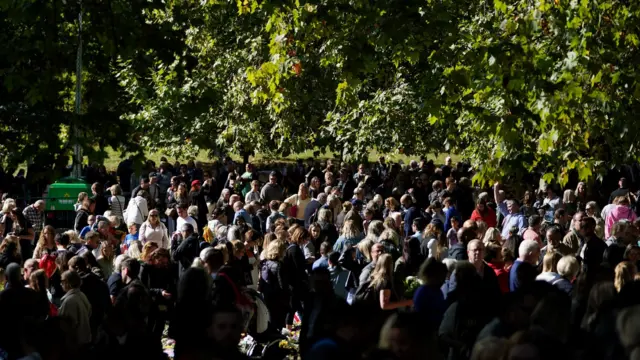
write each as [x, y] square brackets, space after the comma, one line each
[376, 261]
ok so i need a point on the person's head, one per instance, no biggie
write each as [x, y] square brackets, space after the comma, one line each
[623, 183]
[493, 253]
[577, 219]
[106, 250]
[238, 248]
[568, 267]
[30, 265]
[383, 270]
[47, 237]
[39, 281]
[186, 230]
[587, 226]
[62, 240]
[144, 184]
[433, 272]
[130, 269]
[535, 221]
[406, 201]
[625, 273]
[97, 188]
[70, 280]
[560, 217]
[148, 248]
[276, 250]
[92, 238]
[591, 209]
[513, 206]
[377, 249]
[419, 224]
[226, 327]
[273, 178]
[529, 251]
[475, 252]
[554, 235]
[81, 197]
[550, 261]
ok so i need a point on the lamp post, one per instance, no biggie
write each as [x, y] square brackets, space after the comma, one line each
[77, 147]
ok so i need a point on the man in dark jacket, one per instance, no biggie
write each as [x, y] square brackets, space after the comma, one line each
[593, 248]
[96, 291]
[188, 248]
[411, 212]
[346, 185]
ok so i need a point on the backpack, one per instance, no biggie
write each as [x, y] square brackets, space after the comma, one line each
[366, 294]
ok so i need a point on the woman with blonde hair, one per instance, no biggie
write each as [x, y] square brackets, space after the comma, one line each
[47, 242]
[135, 249]
[569, 202]
[300, 202]
[492, 236]
[381, 282]
[435, 241]
[106, 259]
[147, 249]
[351, 235]
[154, 230]
[82, 196]
[625, 273]
[274, 283]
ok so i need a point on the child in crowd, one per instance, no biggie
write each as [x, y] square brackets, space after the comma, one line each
[452, 234]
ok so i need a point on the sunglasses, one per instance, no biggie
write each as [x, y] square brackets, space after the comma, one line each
[153, 215]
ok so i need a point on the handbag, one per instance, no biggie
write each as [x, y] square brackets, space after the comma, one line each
[171, 212]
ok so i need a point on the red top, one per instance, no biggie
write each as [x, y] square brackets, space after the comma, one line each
[489, 217]
[502, 274]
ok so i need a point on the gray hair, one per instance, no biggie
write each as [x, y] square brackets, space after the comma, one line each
[527, 247]
[322, 198]
[193, 211]
[234, 233]
[568, 267]
[117, 262]
[325, 215]
[222, 231]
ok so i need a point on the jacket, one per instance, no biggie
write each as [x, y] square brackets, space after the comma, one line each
[271, 192]
[501, 274]
[458, 252]
[76, 307]
[137, 210]
[186, 252]
[97, 293]
[339, 277]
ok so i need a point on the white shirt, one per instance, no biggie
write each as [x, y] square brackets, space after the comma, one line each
[158, 234]
[137, 210]
[188, 220]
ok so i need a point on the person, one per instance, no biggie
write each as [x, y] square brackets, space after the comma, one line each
[533, 231]
[137, 210]
[106, 259]
[114, 282]
[625, 273]
[550, 267]
[411, 212]
[495, 260]
[568, 269]
[95, 290]
[102, 204]
[46, 243]
[528, 252]
[76, 307]
[428, 300]
[188, 249]
[117, 201]
[294, 264]
[183, 217]
[338, 276]
[254, 194]
[15, 223]
[381, 286]
[376, 250]
[622, 190]
[34, 214]
[554, 242]
[156, 275]
[299, 203]
[484, 213]
[434, 243]
[274, 283]
[323, 261]
[513, 218]
[351, 235]
[92, 241]
[154, 230]
[272, 190]
[622, 211]
[313, 208]
[592, 248]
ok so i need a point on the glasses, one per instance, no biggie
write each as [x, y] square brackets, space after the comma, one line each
[153, 215]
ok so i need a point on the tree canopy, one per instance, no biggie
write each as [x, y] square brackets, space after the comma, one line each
[513, 86]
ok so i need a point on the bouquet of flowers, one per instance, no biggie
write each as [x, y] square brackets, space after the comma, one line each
[411, 284]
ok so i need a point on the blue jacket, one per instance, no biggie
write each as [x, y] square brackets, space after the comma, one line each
[449, 214]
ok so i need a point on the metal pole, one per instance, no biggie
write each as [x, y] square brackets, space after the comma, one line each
[77, 148]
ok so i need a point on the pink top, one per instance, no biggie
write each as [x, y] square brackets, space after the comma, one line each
[619, 212]
[530, 234]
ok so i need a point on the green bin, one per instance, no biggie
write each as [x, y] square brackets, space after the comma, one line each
[60, 200]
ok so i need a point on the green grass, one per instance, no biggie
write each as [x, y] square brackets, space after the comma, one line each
[114, 157]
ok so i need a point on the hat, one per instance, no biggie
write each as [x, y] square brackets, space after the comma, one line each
[195, 182]
[153, 174]
[356, 202]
